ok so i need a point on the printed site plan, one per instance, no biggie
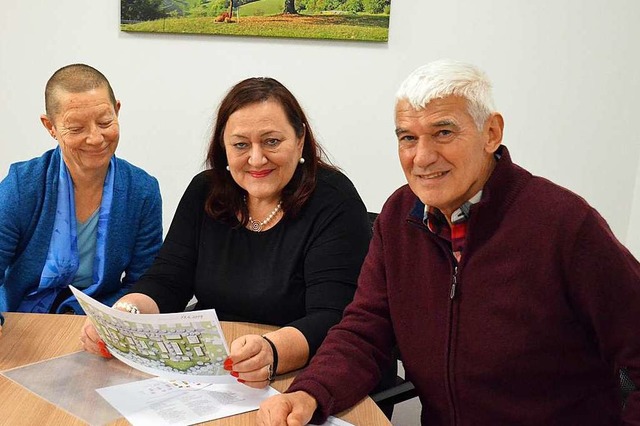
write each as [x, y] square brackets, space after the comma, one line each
[185, 345]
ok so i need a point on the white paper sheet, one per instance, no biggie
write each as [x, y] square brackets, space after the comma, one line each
[160, 402]
[184, 346]
[334, 421]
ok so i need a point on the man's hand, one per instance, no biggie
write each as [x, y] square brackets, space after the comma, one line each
[287, 409]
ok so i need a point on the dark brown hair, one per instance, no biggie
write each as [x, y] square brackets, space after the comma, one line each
[226, 197]
[74, 78]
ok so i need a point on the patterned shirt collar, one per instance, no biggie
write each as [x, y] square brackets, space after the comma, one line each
[456, 234]
[461, 214]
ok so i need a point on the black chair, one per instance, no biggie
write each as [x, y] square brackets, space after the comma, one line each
[402, 391]
[391, 390]
[405, 390]
[626, 385]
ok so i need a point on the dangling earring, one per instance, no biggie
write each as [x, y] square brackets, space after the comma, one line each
[228, 169]
[301, 160]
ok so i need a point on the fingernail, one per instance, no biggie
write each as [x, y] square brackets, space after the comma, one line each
[227, 362]
[240, 381]
[105, 353]
[235, 374]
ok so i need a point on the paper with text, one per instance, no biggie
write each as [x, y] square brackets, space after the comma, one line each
[186, 346]
[160, 402]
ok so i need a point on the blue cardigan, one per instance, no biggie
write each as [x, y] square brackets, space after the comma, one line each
[27, 210]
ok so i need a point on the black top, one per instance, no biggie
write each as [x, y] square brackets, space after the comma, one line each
[302, 272]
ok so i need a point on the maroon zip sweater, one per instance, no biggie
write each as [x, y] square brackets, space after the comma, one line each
[545, 310]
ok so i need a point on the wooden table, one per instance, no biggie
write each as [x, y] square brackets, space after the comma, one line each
[29, 338]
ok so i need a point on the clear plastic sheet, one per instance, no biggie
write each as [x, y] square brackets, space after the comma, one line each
[70, 382]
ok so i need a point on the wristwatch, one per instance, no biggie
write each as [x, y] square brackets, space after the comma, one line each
[127, 307]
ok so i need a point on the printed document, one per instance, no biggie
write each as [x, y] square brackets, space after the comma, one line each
[160, 402]
[183, 346]
[187, 351]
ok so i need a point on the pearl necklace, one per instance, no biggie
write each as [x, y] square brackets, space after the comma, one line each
[256, 226]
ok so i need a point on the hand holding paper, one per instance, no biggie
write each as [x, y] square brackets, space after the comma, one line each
[186, 345]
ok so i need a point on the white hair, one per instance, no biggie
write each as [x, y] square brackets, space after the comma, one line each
[446, 77]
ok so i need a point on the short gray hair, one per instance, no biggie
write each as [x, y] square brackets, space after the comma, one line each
[446, 77]
[74, 78]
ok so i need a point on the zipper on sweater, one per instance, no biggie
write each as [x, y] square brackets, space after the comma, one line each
[454, 283]
[452, 295]
[449, 367]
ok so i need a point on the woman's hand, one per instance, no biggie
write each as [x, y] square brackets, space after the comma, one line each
[91, 341]
[250, 361]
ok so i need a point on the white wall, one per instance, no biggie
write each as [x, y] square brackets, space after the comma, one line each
[633, 236]
[565, 76]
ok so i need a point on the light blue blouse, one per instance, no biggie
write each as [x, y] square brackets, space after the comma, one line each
[87, 237]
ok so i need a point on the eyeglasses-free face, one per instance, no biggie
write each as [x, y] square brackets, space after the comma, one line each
[262, 150]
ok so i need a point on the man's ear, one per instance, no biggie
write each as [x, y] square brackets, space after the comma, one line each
[494, 128]
[48, 125]
[117, 107]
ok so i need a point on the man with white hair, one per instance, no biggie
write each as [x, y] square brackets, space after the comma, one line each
[508, 296]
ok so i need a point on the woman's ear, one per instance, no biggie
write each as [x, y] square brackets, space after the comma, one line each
[48, 125]
[301, 138]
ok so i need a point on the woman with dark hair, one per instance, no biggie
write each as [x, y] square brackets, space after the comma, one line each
[270, 233]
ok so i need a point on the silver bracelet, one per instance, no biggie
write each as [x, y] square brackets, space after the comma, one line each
[126, 306]
[270, 375]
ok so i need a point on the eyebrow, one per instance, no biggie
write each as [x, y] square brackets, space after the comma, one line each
[445, 123]
[78, 115]
[243, 135]
[271, 132]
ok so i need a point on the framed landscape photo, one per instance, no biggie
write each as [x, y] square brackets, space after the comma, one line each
[360, 20]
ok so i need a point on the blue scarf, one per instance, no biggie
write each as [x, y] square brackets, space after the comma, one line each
[62, 258]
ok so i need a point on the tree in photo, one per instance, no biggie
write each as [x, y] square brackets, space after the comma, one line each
[353, 6]
[290, 7]
[375, 6]
[141, 10]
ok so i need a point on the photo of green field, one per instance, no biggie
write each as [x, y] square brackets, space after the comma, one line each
[358, 20]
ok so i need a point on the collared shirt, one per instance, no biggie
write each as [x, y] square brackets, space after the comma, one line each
[456, 233]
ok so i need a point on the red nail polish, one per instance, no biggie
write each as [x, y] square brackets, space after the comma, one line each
[228, 361]
[240, 381]
[235, 374]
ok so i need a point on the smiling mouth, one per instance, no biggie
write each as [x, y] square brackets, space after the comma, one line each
[433, 175]
[99, 152]
[260, 174]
